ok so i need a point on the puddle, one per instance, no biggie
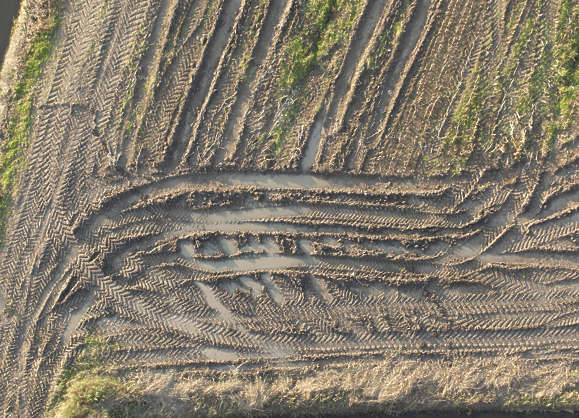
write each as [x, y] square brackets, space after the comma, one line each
[8, 12]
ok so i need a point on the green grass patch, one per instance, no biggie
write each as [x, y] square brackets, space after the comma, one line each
[19, 125]
[565, 58]
[92, 358]
[281, 131]
[84, 391]
[515, 14]
[567, 400]
[386, 41]
[301, 53]
[327, 24]
[478, 106]
[469, 112]
[85, 383]
[299, 58]
[551, 94]
[466, 126]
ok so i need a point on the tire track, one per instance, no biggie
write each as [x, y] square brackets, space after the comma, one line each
[409, 46]
[198, 271]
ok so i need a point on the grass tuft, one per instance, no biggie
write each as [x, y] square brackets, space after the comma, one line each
[87, 364]
[86, 391]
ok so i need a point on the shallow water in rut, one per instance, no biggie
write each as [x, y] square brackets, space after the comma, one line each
[8, 12]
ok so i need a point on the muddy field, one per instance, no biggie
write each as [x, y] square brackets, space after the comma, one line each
[202, 193]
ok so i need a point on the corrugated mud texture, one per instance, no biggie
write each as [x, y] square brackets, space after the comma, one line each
[210, 183]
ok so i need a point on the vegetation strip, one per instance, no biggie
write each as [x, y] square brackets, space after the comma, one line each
[543, 104]
[17, 132]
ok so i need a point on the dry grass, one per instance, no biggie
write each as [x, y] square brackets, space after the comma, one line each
[393, 385]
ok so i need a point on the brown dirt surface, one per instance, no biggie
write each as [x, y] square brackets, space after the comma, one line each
[259, 185]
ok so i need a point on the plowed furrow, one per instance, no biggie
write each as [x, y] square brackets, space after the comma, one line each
[410, 45]
[353, 65]
[208, 70]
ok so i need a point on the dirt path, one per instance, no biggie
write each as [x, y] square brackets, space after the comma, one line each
[408, 42]
[400, 68]
[9, 53]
